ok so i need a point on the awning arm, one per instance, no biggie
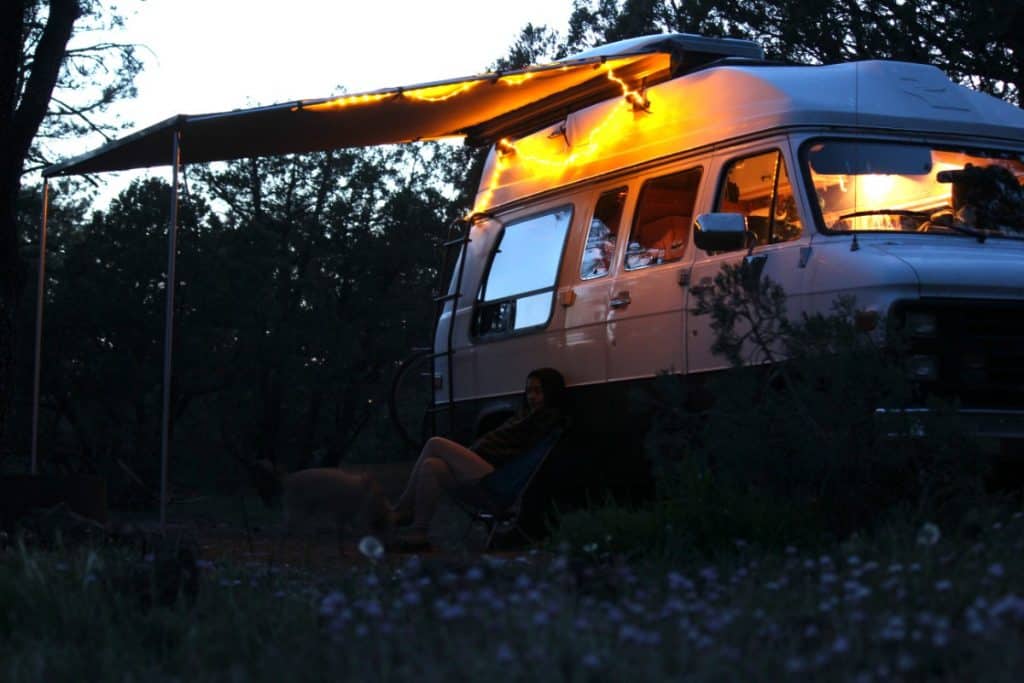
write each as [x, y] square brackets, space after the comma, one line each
[172, 247]
[40, 298]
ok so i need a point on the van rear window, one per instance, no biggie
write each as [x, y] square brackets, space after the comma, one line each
[518, 291]
[664, 214]
[599, 249]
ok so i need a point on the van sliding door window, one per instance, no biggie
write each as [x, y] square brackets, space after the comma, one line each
[604, 230]
[519, 289]
[664, 214]
[758, 187]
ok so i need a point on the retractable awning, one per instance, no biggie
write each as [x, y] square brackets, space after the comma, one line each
[456, 107]
[481, 108]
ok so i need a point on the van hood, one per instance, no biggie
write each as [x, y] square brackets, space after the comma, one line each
[962, 267]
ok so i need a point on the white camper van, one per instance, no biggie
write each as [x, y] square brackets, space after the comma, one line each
[591, 235]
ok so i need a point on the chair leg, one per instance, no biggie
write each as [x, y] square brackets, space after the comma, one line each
[529, 539]
[469, 528]
[490, 535]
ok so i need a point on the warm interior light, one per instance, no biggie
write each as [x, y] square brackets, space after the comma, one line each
[876, 187]
[505, 146]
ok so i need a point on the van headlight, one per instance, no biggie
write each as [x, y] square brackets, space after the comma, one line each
[921, 324]
[923, 368]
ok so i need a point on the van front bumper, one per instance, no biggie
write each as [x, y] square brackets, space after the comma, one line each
[984, 422]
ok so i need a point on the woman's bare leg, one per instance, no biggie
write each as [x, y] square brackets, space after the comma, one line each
[462, 464]
[433, 477]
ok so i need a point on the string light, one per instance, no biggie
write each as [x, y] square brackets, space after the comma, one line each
[599, 137]
[348, 101]
[638, 101]
[430, 93]
[505, 146]
[451, 90]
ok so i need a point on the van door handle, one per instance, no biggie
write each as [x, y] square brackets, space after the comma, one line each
[621, 299]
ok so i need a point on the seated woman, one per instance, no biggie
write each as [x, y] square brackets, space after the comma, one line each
[443, 463]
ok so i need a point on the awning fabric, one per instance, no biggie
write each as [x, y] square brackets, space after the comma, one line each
[482, 108]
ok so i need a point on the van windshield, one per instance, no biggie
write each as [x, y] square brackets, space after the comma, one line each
[878, 186]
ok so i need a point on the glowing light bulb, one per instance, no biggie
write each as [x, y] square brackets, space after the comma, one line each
[876, 187]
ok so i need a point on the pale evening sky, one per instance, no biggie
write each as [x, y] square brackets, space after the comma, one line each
[214, 55]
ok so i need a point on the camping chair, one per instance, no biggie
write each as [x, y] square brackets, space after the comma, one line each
[496, 500]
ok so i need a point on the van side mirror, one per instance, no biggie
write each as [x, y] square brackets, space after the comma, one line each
[720, 231]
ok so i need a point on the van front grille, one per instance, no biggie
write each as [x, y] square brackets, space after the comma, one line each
[980, 350]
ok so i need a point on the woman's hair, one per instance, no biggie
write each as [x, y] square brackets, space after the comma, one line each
[552, 384]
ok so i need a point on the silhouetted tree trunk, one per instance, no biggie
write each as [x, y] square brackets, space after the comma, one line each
[23, 103]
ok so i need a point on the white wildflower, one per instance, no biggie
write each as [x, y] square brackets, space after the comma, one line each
[795, 665]
[1010, 606]
[905, 662]
[505, 653]
[928, 534]
[331, 603]
[996, 570]
[709, 574]
[371, 548]
[372, 608]
[894, 629]
[943, 585]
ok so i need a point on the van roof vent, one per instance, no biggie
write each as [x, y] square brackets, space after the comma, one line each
[689, 51]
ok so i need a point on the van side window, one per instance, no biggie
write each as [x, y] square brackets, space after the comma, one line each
[519, 289]
[758, 187]
[664, 214]
[604, 230]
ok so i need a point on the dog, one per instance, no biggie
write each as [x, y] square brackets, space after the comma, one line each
[351, 505]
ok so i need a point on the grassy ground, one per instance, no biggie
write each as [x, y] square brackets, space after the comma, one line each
[906, 604]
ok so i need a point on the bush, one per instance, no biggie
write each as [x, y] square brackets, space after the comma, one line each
[792, 433]
[790, 450]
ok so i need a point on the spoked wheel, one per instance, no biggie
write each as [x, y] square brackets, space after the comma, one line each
[410, 368]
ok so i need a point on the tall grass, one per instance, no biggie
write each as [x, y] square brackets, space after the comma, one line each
[903, 604]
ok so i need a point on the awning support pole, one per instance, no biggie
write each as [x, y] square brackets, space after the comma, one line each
[40, 297]
[172, 247]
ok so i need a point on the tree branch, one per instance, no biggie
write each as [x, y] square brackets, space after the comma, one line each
[79, 113]
[46, 64]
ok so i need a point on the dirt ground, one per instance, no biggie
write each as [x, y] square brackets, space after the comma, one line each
[244, 531]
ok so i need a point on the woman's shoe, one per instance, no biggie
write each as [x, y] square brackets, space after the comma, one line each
[400, 518]
[412, 538]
